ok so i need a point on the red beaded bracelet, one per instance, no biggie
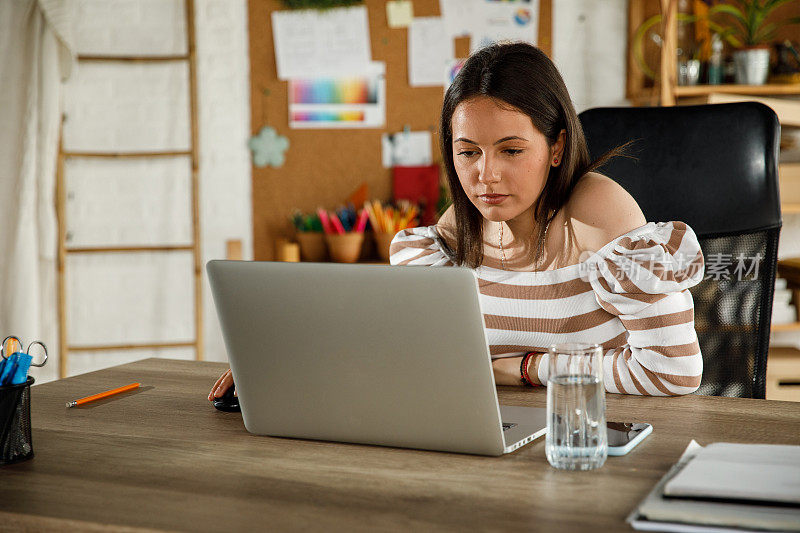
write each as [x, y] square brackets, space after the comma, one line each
[523, 369]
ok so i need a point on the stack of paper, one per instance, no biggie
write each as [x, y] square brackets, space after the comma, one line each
[783, 312]
[726, 487]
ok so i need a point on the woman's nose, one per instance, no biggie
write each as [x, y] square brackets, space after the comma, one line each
[489, 173]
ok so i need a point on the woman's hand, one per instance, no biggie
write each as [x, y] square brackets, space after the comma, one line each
[224, 383]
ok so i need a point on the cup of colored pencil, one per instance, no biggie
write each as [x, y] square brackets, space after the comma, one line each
[344, 232]
[310, 236]
[387, 220]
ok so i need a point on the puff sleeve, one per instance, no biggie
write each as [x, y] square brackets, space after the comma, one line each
[419, 246]
[643, 278]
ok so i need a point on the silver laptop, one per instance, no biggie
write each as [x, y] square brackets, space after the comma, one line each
[372, 354]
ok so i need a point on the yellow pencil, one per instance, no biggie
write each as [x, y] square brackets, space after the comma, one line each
[412, 212]
[401, 225]
[396, 221]
[380, 216]
[389, 214]
[371, 215]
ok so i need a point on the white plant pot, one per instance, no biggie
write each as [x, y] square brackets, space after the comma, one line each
[752, 66]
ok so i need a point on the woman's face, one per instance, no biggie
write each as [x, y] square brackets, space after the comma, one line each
[501, 159]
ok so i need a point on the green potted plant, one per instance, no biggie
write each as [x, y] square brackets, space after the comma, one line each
[751, 35]
[646, 27]
[742, 23]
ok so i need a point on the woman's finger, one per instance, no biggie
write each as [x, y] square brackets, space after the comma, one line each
[225, 384]
[218, 384]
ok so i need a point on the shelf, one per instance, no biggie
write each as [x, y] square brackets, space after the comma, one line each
[792, 326]
[789, 175]
[755, 90]
[787, 109]
[783, 373]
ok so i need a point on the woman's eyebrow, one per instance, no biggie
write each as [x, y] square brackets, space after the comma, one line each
[504, 139]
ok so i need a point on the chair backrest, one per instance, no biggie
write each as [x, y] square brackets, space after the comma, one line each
[714, 167]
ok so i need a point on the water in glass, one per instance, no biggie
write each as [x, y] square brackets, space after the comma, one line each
[576, 406]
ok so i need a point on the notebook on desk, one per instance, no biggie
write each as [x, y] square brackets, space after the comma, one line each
[373, 354]
[702, 493]
[740, 472]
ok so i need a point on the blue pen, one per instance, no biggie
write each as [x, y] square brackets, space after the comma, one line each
[9, 369]
[20, 374]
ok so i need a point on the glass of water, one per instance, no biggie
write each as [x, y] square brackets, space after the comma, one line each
[576, 407]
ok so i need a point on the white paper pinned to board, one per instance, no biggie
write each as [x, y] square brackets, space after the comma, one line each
[429, 50]
[516, 20]
[406, 149]
[459, 16]
[311, 43]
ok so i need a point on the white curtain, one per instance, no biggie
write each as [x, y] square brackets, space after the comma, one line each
[36, 44]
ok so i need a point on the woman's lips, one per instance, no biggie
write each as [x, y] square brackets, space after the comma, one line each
[493, 199]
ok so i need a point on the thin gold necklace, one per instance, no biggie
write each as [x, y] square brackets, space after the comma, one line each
[503, 252]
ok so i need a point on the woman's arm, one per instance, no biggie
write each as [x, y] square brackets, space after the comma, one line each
[507, 371]
[642, 278]
[662, 356]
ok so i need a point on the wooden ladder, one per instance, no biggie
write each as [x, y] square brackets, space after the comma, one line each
[64, 347]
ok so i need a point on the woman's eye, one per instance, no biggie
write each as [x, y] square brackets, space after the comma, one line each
[512, 151]
[467, 153]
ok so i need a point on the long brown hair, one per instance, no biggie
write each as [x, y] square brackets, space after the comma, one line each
[523, 77]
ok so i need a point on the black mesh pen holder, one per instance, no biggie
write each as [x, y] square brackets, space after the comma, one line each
[15, 423]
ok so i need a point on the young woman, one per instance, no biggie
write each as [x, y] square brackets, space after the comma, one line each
[561, 253]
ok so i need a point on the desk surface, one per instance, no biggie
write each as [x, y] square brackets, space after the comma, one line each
[163, 458]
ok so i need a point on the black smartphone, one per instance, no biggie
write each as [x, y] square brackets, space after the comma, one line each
[623, 436]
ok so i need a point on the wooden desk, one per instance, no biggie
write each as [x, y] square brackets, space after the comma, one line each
[163, 458]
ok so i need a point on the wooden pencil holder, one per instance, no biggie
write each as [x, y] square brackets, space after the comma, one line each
[345, 247]
[312, 246]
[382, 241]
[287, 251]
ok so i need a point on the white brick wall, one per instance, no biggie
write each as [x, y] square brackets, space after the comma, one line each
[224, 111]
[122, 298]
[119, 298]
[140, 201]
[146, 27]
[127, 106]
[589, 47]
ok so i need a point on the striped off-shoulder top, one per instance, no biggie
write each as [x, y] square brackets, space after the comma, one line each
[631, 297]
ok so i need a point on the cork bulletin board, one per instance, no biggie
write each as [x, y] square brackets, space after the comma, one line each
[323, 167]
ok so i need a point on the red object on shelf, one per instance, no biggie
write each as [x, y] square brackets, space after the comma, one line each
[419, 185]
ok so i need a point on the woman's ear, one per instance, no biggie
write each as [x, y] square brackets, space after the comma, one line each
[557, 150]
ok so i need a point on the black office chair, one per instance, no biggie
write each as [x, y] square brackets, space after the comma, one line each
[714, 167]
